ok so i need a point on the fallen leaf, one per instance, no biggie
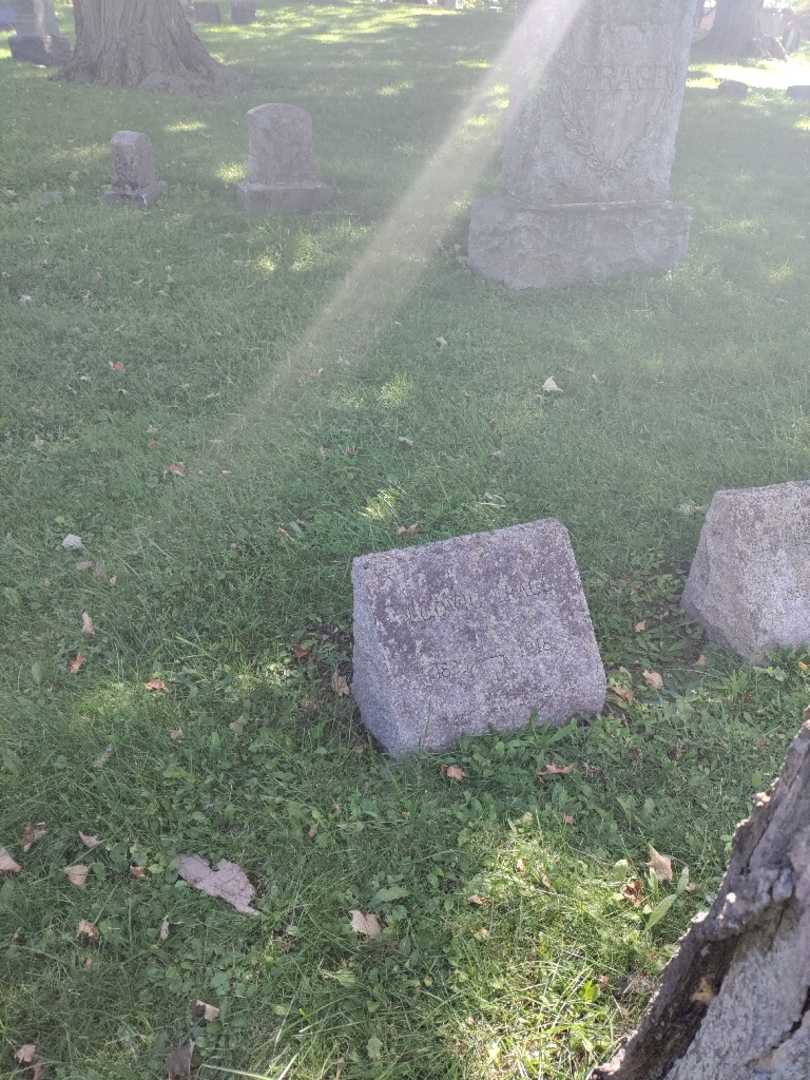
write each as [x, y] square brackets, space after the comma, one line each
[137, 872]
[177, 468]
[178, 1062]
[226, 881]
[88, 629]
[176, 734]
[366, 924]
[555, 770]
[340, 684]
[300, 651]
[441, 342]
[87, 930]
[156, 684]
[633, 891]
[603, 982]
[77, 875]
[653, 679]
[26, 1054]
[661, 865]
[201, 1010]
[116, 365]
[89, 840]
[85, 564]
[454, 772]
[87, 963]
[282, 534]
[312, 832]
[550, 386]
[623, 692]
[163, 933]
[72, 542]
[405, 442]
[103, 758]
[152, 444]
[32, 833]
[482, 934]
[705, 992]
[478, 901]
[701, 661]
[568, 819]
[76, 664]
[408, 530]
[520, 866]
[803, 666]
[640, 627]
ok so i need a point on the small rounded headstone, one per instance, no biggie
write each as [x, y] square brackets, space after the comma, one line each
[731, 88]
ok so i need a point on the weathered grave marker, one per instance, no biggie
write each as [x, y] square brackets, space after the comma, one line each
[749, 584]
[243, 12]
[38, 39]
[589, 147]
[134, 177]
[473, 633]
[281, 172]
[205, 12]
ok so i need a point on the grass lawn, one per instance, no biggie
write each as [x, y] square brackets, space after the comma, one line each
[281, 361]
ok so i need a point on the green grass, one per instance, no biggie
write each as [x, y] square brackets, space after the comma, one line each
[673, 387]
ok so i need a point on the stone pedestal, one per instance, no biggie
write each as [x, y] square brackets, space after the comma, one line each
[134, 177]
[37, 40]
[590, 142]
[281, 169]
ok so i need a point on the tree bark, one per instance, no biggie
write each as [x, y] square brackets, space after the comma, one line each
[736, 28]
[734, 1002]
[146, 43]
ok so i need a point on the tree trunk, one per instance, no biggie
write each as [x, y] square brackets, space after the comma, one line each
[734, 1002]
[736, 28]
[146, 43]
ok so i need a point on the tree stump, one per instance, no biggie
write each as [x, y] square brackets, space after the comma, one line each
[734, 1002]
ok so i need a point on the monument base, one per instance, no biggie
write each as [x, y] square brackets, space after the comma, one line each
[143, 197]
[51, 50]
[304, 196]
[528, 248]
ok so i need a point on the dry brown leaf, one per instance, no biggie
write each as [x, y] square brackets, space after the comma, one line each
[481, 934]
[478, 901]
[103, 758]
[623, 692]
[661, 865]
[568, 819]
[300, 651]
[116, 365]
[555, 770]
[340, 684]
[77, 875]
[26, 1054]
[88, 627]
[408, 530]
[365, 923]
[705, 992]
[201, 1010]
[176, 734]
[520, 866]
[87, 930]
[312, 832]
[226, 881]
[163, 933]
[33, 832]
[640, 627]
[454, 772]
[654, 679]
[89, 840]
[177, 468]
[157, 685]
[137, 872]
[633, 891]
[152, 444]
[7, 864]
[87, 963]
[85, 564]
[76, 664]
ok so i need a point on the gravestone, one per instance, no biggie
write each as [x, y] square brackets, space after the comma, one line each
[133, 164]
[749, 584]
[7, 18]
[589, 146]
[205, 12]
[799, 93]
[281, 172]
[243, 12]
[732, 88]
[471, 634]
[38, 40]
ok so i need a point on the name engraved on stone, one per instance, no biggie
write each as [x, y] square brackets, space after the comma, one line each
[470, 635]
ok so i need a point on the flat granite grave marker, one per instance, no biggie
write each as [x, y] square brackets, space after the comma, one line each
[134, 177]
[596, 102]
[749, 584]
[38, 40]
[471, 634]
[281, 172]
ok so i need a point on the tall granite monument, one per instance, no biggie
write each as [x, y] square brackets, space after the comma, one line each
[38, 39]
[596, 103]
[472, 634]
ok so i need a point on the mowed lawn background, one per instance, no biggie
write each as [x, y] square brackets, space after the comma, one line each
[313, 421]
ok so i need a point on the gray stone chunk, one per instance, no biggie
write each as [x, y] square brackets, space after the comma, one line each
[596, 102]
[556, 246]
[749, 584]
[281, 167]
[472, 634]
[133, 164]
